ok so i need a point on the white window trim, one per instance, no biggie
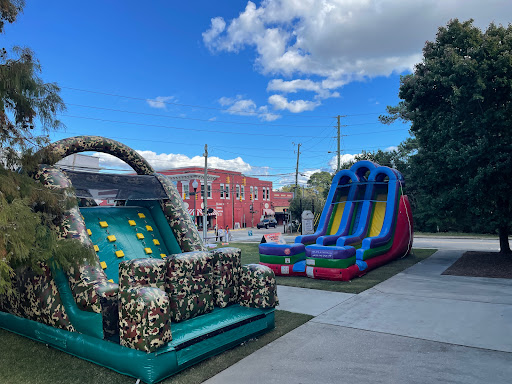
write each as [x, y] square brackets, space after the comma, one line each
[184, 191]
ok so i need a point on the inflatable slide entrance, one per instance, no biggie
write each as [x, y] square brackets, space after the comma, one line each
[365, 223]
[155, 301]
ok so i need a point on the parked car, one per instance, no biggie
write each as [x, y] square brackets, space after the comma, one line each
[266, 223]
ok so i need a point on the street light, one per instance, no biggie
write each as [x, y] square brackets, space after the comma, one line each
[195, 184]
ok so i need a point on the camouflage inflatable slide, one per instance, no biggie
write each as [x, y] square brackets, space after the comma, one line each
[155, 301]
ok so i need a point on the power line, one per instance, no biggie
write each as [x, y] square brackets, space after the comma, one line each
[195, 119]
[206, 107]
[181, 128]
[210, 130]
[245, 112]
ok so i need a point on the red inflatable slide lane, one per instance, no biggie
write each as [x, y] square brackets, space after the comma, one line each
[402, 244]
[283, 269]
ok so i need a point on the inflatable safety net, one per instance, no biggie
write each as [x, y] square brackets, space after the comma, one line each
[155, 301]
[366, 222]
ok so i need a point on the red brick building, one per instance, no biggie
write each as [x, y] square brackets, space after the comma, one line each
[236, 200]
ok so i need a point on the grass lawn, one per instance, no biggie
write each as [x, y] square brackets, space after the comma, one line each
[23, 361]
[250, 255]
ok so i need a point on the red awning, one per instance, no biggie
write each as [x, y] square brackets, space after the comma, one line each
[200, 212]
[268, 212]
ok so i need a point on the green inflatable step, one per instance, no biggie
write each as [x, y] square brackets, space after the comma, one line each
[331, 263]
[275, 259]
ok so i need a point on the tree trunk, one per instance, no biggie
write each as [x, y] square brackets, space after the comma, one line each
[503, 232]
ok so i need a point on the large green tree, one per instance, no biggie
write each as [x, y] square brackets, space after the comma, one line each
[29, 214]
[459, 103]
[320, 182]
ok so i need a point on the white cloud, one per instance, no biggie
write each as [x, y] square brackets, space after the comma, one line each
[339, 41]
[345, 158]
[164, 161]
[392, 148]
[247, 107]
[293, 86]
[302, 178]
[296, 106]
[217, 27]
[160, 101]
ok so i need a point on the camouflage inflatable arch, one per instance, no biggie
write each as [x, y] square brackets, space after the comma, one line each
[155, 301]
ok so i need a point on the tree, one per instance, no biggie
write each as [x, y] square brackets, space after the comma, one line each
[306, 199]
[29, 215]
[320, 182]
[459, 103]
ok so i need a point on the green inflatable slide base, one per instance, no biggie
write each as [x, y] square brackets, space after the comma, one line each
[180, 353]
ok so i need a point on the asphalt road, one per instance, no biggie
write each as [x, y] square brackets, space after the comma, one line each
[440, 242]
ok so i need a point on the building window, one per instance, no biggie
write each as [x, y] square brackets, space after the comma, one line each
[252, 193]
[222, 191]
[237, 192]
[227, 191]
[185, 188]
[209, 191]
[263, 193]
[255, 193]
[268, 193]
[243, 192]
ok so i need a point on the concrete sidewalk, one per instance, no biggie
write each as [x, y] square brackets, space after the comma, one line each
[417, 327]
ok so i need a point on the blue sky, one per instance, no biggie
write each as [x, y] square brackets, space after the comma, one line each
[251, 80]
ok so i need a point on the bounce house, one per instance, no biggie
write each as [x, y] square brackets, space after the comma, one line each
[155, 301]
[366, 222]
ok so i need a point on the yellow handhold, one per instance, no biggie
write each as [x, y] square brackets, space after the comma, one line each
[163, 255]
[89, 232]
[103, 265]
[132, 223]
[148, 251]
[103, 224]
[156, 242]
[119, 253]
[141, 215]
[96, 248]
[149, 228]
[110, 281]
[111, 238]
[140, 236]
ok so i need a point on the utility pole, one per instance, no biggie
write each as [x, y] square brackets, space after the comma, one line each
[233, 204]
[297, 169]
[205, 194]
[339, 141]
[339, 145]
[297, 178]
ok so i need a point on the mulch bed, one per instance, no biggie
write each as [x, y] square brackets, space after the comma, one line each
[482, 264]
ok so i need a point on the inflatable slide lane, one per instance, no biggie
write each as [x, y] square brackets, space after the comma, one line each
[373, 228]
[154, 301]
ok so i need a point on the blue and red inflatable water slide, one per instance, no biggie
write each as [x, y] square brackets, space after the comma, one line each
[366, 222]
